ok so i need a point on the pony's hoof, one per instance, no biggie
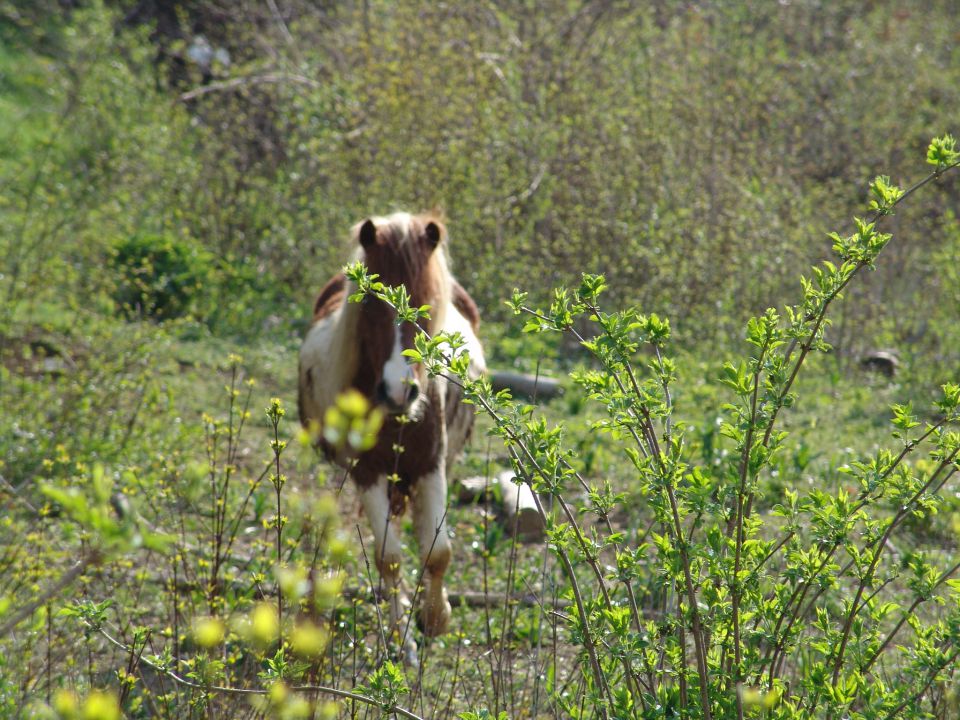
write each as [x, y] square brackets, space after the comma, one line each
[434, 619]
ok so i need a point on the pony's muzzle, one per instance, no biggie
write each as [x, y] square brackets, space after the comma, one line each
[398, 400]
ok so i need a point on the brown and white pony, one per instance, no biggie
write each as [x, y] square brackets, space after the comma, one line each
[360, 345]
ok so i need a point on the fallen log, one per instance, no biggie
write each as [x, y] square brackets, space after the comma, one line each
[469, 598]
[471, 489]
[517, 506]
[530, 386]
[520, 509]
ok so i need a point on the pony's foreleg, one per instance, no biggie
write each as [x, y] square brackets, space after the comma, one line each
[387, 555]
[429, 520]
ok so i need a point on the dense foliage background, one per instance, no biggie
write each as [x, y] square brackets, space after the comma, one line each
[177, 180]
[696, 153]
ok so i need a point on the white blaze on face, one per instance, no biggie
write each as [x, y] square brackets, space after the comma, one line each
[398, 376]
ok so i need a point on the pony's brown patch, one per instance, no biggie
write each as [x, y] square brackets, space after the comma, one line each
[421, 443]
[331, 296]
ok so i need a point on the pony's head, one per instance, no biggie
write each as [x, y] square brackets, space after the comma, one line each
[401, 249]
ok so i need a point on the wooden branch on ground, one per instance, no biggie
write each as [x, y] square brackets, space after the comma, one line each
[530, 386]
[470, 598]
[247, 81]
[517, 506]
[520, 509]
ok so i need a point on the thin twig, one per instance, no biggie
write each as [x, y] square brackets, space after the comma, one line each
[75, 571]
[228, 690]
[248, 81]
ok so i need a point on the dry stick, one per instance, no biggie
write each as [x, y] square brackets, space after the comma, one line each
[533, 668]
[133, 661]
[423, 570]
[456, 677]
[175, 602]
[278, 486]
[556, 642]
[15, 494]
[75, 571]
[336, 692]
[232, 449]
[486, 606]
[284, 30]
[373, 589]
[49, 664]
[244, 414]
[506, 617]
[214, 494]
[233, 83]
[382, 551]
[540, 620]
[356, 645]
[220, 490]
[243, 506]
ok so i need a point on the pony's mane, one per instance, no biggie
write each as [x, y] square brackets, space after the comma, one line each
[400, 230]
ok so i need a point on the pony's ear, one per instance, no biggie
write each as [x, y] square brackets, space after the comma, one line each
[368, 234]
[434, 233]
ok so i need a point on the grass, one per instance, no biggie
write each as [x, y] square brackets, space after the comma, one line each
[509, 657]
[515, 657]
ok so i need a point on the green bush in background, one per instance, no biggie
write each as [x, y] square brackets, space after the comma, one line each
[160, 278]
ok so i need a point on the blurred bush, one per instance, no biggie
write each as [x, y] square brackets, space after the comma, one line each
[159, 277]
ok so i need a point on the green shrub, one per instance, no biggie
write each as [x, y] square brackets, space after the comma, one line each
[159, 277]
